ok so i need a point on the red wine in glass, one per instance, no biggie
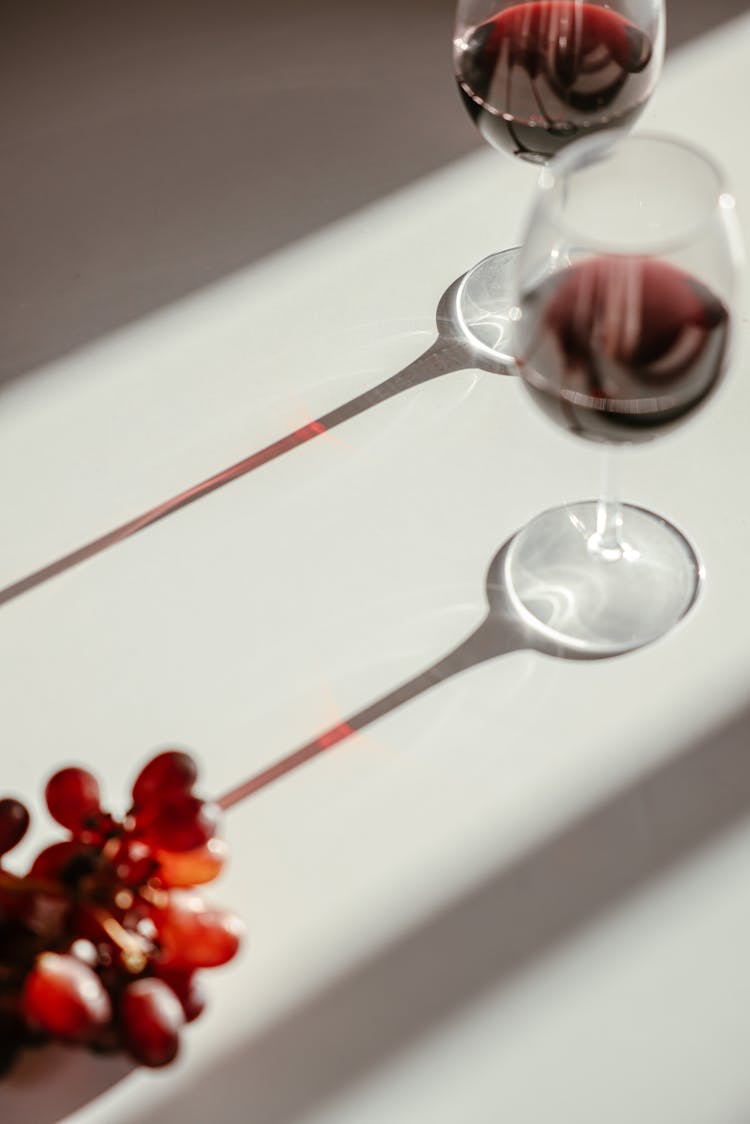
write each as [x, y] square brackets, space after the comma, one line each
[537, 75]
[618, 348]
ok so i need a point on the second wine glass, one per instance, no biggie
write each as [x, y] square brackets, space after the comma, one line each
[625, 286]
[535, 76]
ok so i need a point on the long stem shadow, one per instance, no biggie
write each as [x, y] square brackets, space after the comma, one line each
[450, 352]
[501, 631]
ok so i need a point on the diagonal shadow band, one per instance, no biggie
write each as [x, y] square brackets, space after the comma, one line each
[450, 352]
[501, 631]
[487, 937]
[495, 636]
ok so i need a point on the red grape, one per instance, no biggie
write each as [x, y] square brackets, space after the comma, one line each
[134, 862]
[180, 823]
[151, 1016]
[18, 948]
[12, 1036]
[192, 868]
[187, 989]
[66, 861]
[169, 774]
[193, 935]
[72, 797]
[100, 941]
[65, 997]
[47, 917]
[11, 906]
[14, 820]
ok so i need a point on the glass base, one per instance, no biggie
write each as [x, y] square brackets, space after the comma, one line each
[601, 601]
[484, 303]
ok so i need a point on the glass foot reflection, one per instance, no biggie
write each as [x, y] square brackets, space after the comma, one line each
[563, 581]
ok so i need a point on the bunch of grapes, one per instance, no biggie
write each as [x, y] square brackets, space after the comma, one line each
[101, 940]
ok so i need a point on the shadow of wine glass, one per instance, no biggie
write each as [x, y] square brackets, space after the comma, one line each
[505, 628]
[451, 351]
[54, 1082]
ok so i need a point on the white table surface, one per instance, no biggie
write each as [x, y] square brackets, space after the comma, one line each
[522, 896]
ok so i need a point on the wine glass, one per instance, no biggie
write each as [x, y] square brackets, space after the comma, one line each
[621, 331]
[535, 75]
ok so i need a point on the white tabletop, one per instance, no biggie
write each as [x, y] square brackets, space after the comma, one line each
[520, 895]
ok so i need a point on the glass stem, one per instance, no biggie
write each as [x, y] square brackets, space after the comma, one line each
[608, 541]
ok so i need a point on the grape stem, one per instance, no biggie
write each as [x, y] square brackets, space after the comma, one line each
[134, 953]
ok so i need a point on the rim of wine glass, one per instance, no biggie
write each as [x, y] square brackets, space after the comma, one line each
[573, 158]
[461, 22]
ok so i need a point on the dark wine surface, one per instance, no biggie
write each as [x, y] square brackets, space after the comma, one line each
[619, 348]
[540, 74]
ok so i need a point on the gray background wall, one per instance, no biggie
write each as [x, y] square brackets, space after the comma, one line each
[151, 147]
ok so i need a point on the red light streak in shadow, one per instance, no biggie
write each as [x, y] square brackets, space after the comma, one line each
[153, 515]
[324, 741]
[439, 358]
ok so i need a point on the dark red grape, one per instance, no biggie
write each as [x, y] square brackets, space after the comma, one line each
[14, 820]
[18, 946]
[169, 774]
[72, 797]
[11, 907]
[67, 861]
[10, 1047]
[47, 917]
[96, 926]
[65, 997]
[133, 861]
[188, 990]
[181, 823]
[151, 1016]
[193, 935]
[11, 1038]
